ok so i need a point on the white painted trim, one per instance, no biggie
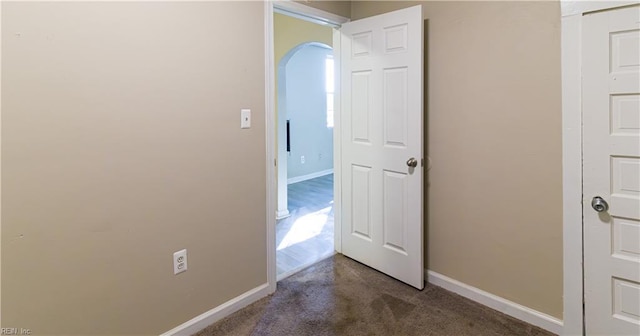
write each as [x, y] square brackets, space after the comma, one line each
[216, 314]
[337, 148]
[309, 176]
[282, 214]
[270, 127]
[570, 8]
[307, 13]
[1, 168]
[572, 175]
[571, 46]
[500, 304]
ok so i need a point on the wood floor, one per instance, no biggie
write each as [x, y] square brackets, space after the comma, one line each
[306, 236]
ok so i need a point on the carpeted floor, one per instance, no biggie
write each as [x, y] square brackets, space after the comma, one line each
[339, 296]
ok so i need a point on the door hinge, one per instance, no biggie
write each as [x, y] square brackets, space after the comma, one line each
[275, 162]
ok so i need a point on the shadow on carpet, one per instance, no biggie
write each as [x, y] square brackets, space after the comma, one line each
[339, 296]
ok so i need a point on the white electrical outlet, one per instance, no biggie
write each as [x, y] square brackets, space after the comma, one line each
[180, 261]
[302, 159]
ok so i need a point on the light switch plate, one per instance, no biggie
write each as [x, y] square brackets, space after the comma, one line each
[245, 118]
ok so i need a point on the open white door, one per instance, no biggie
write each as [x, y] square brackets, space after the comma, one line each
[381, 138]
[611, 154]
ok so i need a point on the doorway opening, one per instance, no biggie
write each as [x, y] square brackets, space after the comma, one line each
[304, 107]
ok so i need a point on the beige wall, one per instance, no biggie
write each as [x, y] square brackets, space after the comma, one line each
[120, 145]
[120, 140]
[494, 135]
[290, 32]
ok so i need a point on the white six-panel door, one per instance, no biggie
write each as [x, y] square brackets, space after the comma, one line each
[611, 153]
[381, 81]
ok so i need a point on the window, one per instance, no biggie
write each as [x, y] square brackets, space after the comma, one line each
[329, 88]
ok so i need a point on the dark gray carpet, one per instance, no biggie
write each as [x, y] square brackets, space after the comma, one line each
[339, 296]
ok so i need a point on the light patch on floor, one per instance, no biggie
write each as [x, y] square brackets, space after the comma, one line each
[305, 227]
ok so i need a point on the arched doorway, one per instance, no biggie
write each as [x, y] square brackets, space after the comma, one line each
[305, 156]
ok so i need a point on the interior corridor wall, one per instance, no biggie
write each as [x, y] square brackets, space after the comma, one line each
[289, 33]
[306, 110]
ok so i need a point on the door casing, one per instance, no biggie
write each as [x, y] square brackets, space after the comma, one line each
[571, 45]
[316, 16]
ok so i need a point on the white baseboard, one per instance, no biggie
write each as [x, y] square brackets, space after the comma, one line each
[502, 305]
[205, 319]
[309, 176]
[282, 214]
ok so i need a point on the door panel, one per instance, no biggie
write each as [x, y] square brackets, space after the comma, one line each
[361, 112]
[361, 222]
[395, 224]
[395, 107]
[625, 246]
[381, 67]
[611, 152]
[624, 115]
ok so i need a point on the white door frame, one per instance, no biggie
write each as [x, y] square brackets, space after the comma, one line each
[572, 12]
[316, 16]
